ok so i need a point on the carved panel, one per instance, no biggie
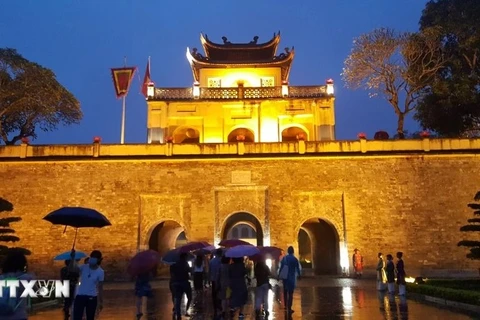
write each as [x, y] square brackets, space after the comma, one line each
[157, 208]
[235, 199]
[214, 83]
[267, 82]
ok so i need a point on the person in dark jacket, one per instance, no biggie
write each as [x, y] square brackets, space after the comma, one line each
[72, 277]
[180, 276]
[390, 271]
[262, 274]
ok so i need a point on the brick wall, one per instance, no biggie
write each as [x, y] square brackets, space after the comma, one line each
[415, 203]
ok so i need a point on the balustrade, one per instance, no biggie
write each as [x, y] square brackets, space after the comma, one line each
[240, 93]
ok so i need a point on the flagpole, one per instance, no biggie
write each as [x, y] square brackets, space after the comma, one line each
[122, 134]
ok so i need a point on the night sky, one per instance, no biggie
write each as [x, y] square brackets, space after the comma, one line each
[80, 40]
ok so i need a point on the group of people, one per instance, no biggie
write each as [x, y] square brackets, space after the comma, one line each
[86, 286]
[229, 278]
[386, 273]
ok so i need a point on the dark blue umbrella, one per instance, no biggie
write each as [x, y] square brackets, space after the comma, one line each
[77, 217]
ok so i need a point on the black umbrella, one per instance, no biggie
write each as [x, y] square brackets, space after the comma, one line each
[77, 217]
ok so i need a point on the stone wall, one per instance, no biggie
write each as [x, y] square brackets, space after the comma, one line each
[413, 203]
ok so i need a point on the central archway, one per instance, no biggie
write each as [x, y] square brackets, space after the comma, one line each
[319, 249]
[244, 226]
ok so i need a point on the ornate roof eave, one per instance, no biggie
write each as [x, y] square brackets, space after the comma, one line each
[284, 61]
[273, 43]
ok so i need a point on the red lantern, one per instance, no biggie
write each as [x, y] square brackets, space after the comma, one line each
[362, 135]
[424, 134]
[301, 136]
[25, 140]
[169, 139]
[330, 81]
[240, 137]
[97, 139]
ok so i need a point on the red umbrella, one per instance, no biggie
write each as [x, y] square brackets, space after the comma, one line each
[233, 243]
[192, 246]
[143, 262]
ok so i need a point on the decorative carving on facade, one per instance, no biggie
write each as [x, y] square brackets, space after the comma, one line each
[267, 82]
[225, 40]
[214, 83]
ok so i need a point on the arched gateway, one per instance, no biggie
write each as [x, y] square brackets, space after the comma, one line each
[241, 224]
[319, 248]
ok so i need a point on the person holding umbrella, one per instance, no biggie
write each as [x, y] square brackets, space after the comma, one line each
[142, 289]
[90, 291]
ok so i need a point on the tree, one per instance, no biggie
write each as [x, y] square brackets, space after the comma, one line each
[451, 105]
[473, 226]
[396, 66]
[6, 232]
[31, 98]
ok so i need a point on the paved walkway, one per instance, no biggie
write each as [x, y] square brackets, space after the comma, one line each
[320, 298]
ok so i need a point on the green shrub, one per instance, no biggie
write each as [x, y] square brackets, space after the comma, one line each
[464, 296]
[472, 284]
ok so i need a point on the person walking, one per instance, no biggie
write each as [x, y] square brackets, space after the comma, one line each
[262, 275]
[223, 286]
[89, 298]
[142, 289]
[357, 263]
[381, 276]
[198, 274]
[390, 272]
[238, 285]
[214, 269]
[291, 269]
[15, 268]
[180, 275]
[401, 275]
[72, 277]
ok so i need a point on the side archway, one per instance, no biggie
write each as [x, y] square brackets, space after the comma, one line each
[292, 133]
[319, 248]
[186, 135]
[165, 236]
[248, 134]
[244, 226]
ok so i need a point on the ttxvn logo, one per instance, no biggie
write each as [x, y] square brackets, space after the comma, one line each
[36, 288]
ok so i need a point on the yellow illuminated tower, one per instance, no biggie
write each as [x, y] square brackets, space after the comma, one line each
[241, 92]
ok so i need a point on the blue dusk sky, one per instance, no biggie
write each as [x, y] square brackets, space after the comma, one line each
[80, 40]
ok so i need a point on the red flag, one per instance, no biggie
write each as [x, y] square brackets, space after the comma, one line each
[122, 78]
[146, 80]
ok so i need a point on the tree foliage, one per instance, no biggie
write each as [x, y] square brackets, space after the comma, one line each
[395, 66]
[31, 98]
[473, 226]
[7, 234]
[451, 105]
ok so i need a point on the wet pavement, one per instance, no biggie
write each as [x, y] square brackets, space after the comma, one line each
[319, 298]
